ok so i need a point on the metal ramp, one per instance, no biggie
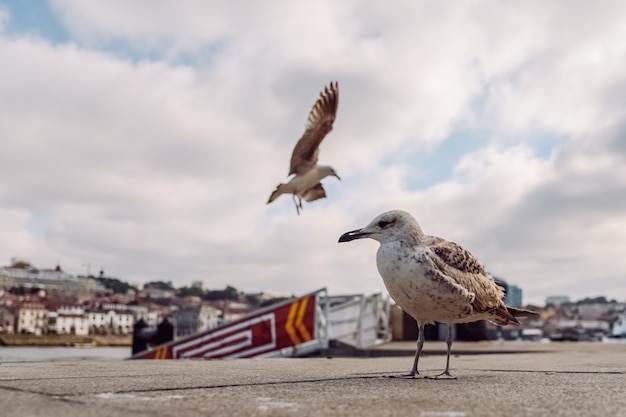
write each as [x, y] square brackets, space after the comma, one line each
[298, 327]
[359, 321]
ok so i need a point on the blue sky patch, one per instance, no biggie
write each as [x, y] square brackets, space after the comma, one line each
[37, 18]
[427, 167]
[34, 17]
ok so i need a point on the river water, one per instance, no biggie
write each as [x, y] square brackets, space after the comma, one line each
[43, 354]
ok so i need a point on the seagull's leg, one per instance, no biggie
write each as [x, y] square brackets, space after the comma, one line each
[297, 202]
[420, 344]
[418, 352]
[300, 202]
[446, 373]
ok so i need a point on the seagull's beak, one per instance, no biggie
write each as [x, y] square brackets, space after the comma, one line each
[353, 235]
[337, 177]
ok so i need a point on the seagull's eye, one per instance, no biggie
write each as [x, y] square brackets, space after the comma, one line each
[383, 224]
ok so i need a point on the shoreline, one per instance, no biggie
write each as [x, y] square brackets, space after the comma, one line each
[64, 340]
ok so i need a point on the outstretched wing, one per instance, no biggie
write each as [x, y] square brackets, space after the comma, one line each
[320, 122]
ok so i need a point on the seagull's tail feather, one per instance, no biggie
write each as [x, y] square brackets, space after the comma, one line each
[508, 315]
[278, 191]
[520, 312]
[502, 316]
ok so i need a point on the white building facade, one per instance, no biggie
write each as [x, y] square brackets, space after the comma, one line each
[111, 319]
[32, 318]
[72, 324]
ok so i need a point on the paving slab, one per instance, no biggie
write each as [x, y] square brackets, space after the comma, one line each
[558, 380]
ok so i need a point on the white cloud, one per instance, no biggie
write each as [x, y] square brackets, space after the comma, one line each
[160, 168]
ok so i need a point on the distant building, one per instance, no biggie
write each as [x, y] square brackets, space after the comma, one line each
[72, 321]
[6, 279]
[157, 291]
[7, 320]
[512, 293]
[619, 327]
[513, 296]
[32, 318]
[577, 330]
[111, 319]
[152, 314]
[597, 311]
[193, 319]
[231, 310]
[557, 300]
[22, 274]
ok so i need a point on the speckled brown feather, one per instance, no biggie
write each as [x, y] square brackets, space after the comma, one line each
[459, 264]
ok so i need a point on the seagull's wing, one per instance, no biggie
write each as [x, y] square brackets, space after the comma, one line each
[313, 193]
[320, 122]
[455, 256]
[464, 269]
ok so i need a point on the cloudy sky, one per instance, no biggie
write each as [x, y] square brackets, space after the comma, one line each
[144, 137]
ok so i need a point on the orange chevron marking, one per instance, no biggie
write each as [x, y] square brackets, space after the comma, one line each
[160, 353]
[291, 331]
[304, 332]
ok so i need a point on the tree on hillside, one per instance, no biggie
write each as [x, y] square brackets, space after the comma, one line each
[159, 285]
[191, 291]
[114, 284]
[595, 300]
[274, 300]
[229, 293]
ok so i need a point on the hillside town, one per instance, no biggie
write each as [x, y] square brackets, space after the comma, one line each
[49, 301]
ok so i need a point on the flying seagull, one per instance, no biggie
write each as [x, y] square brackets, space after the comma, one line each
[433, 280]
[306, 175]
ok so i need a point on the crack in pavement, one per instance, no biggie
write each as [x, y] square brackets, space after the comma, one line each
[376, 375]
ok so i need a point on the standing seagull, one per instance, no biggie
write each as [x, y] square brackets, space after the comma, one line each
[433, 279]
[305, 183]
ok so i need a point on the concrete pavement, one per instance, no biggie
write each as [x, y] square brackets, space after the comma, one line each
[569, 379]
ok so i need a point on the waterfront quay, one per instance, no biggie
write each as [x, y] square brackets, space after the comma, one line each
[494, 379]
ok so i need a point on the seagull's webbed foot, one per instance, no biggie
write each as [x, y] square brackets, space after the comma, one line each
[410, 375]
[444, 375]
